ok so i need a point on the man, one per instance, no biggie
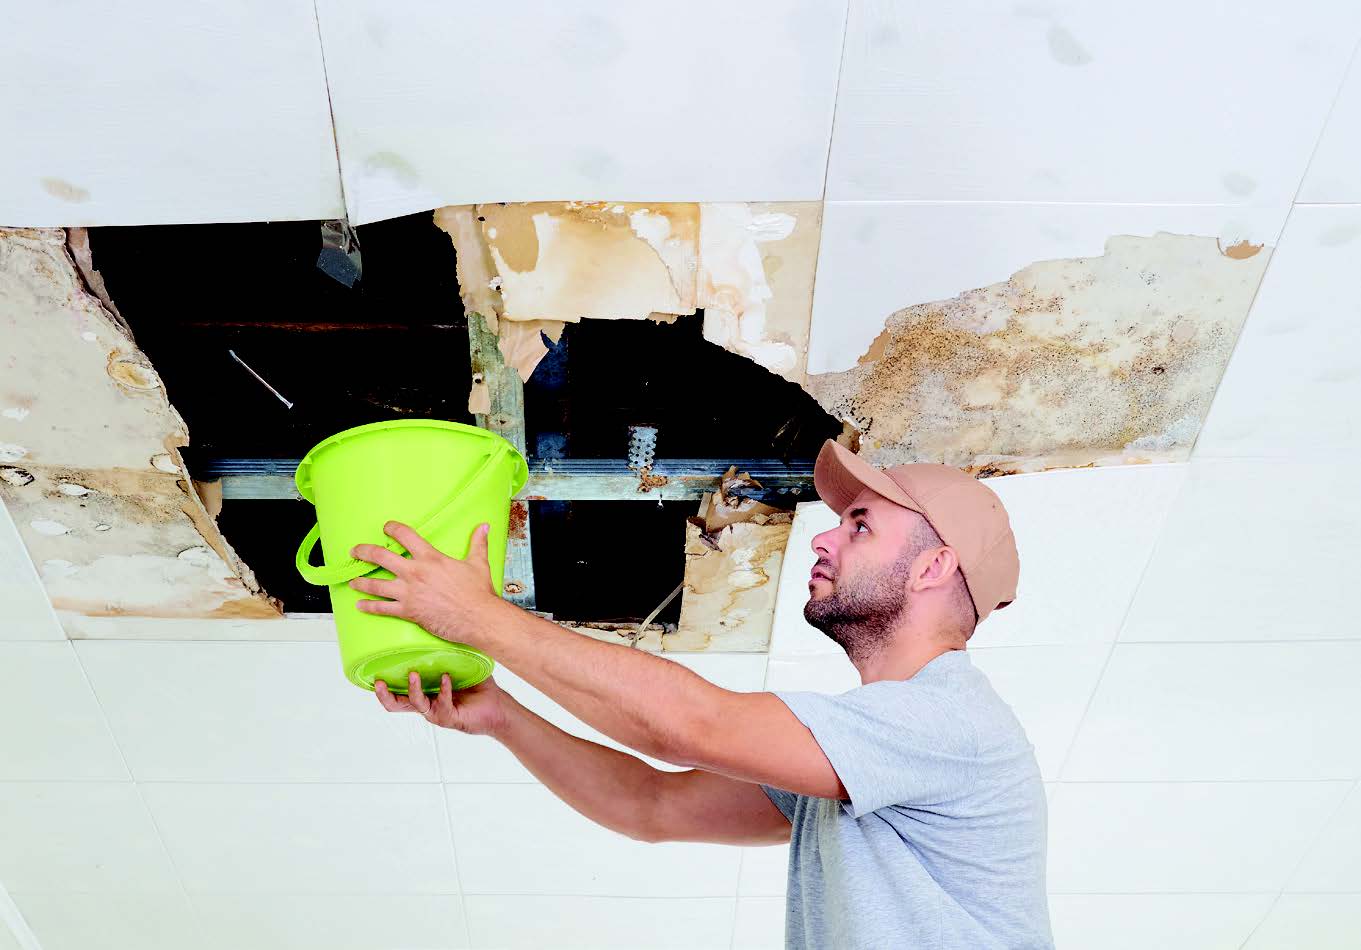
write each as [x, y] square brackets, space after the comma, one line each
[913, 804]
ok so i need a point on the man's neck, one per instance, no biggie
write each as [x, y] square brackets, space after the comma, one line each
[904, 657]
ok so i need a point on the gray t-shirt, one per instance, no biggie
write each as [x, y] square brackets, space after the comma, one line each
[942, 844]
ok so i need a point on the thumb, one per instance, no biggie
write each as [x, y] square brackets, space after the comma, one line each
[477, 548]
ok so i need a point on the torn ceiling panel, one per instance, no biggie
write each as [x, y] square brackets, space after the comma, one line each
[89, 455]
[1100, 360]
[748, 266]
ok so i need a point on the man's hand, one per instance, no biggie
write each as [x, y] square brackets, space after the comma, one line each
[451, 598]
[478, 710]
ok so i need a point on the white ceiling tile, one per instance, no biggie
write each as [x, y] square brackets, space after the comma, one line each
[1150, 837]
[1223, 712]
[28, 612]
[521, 101]
[324, 922]
[1254, 550]
[1334, 174]
[64, 735]
[534, 922]
[878, 257]
[315, 839]
[80, 836]
[765, 872]
[1165, 921]
[1033, 103]
[172, 113]
[760, 924]
[521, 839]
[1084, 537]
[1294, 380]
[1048, 688]
[790, 634]
[828, 673]
[466, 758]
[73, 921]
[8, 941]
[259, 712]
[1334, 862]
[1313, 921]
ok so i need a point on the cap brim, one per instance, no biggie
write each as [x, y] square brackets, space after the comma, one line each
[839, 475]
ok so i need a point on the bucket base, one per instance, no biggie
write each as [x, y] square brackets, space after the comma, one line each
[465, 665]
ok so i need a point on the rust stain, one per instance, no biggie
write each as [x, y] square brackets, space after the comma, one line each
[1101, 360]
[519, 517]
[647, 481]
[1241, 251]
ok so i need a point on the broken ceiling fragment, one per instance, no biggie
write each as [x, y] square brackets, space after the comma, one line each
[1103, 360]
[95, 482]
[748, 266]
[733, 552]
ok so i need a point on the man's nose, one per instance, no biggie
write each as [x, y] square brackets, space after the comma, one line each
[823, 543]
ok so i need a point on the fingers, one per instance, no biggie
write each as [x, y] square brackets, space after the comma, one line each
[390, 608]
[408, 538]
[390, 702]
[378, 586]
[376, 554]
[477, 547]
[417, 695]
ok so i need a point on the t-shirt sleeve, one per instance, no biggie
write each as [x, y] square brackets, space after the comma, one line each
[784, 801]
[891, 743]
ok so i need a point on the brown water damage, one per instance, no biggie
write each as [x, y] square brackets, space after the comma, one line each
[1087, 361]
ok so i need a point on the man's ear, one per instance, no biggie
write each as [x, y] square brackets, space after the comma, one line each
[941, 564]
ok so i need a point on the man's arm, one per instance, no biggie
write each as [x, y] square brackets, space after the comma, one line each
[660, 708]
[649, 704]
[625, 794]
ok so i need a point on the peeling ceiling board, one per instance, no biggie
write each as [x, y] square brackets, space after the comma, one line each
[749, 266]
[89, 453]
[729, 599]
[1335, 170]
[1155, 102]
[1293, 388]
[1102, 359]
[522, 101]
[878, 257]
[164, 112]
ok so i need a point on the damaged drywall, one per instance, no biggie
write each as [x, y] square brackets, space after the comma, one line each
[733, 551]
[1088, 361]
[749, 267]
[89, 455]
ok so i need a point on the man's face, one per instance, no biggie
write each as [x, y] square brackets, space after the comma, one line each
[859, 582]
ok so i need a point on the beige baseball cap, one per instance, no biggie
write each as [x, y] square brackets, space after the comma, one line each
[967, 515]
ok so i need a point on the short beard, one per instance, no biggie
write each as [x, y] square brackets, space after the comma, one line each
[860, 614]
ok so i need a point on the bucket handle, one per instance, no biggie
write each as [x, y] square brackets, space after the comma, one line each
[323, 575]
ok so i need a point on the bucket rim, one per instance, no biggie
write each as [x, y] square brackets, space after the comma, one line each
[302, 476]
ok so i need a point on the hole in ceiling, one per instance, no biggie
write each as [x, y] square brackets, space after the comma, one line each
[239, 321]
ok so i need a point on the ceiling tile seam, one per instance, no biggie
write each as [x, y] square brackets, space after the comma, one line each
[34, 579]
[836, 101]
[1266, 272]
[1124, 619]
[141, 798]
[765, 686]
[1063, 204]
[1327, 204]
[1327, 118]
[1304, 855]
[449, 826]
[15, 923]
[331, 111]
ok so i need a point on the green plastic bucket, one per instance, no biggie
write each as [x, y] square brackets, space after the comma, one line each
[441, 478]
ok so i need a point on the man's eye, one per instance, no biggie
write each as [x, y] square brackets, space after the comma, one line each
[861, 524]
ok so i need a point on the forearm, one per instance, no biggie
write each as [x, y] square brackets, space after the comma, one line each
[635, 698]
[609, 787]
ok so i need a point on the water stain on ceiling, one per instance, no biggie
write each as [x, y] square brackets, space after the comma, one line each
[1087, 361]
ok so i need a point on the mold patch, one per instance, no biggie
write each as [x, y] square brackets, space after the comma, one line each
[1103, 360]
